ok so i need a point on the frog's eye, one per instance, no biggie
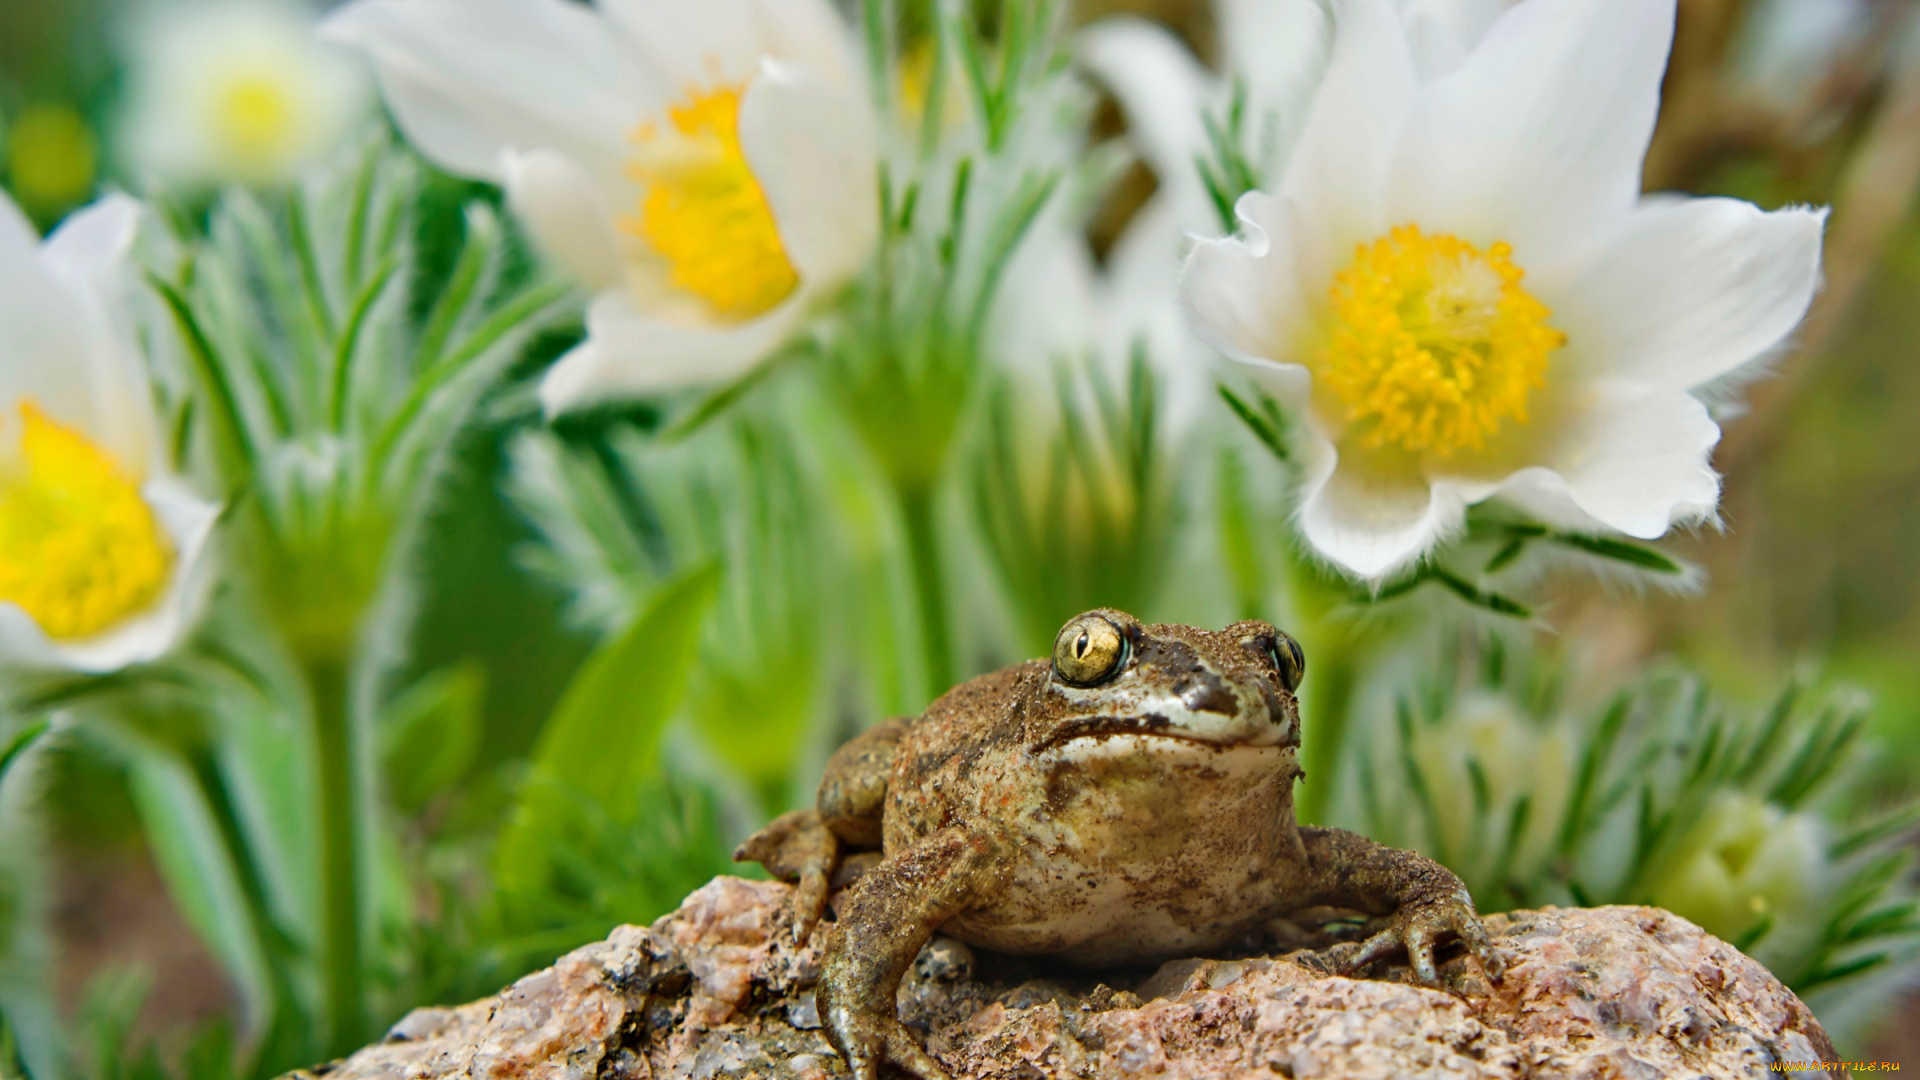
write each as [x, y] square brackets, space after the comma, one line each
[1089, 650]
[1291, 661]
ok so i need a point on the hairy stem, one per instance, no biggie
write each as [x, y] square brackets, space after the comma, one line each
[929, 584]
[341, 977]
[1327, 702]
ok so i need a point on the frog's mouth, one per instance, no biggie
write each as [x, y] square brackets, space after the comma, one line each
[1151, 725]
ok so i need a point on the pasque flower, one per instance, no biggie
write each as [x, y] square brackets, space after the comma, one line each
[236, 91]
[100, 548]
[1458, 287]
[709, 169]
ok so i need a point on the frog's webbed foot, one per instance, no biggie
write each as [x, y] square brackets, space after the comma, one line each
[1418, 925]
[798, 848]
[869, 1040]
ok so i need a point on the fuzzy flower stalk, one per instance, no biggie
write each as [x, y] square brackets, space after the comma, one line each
[1459, 291]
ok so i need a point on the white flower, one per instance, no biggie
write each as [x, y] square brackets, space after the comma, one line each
[100, 549]
[1458, 286]
[225, 91]
[709, 169]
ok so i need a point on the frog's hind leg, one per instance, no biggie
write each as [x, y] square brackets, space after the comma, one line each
[798, 848]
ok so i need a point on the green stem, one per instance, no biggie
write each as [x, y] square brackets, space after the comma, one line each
[929, 583]
[339, 855]
[1329, 702]
[1335, 654]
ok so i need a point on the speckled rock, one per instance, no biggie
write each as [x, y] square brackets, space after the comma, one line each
[719, 989]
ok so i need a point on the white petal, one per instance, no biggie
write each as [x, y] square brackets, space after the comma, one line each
[629, 354]
[1049, 308]
[1639, 461]
[810, 33]
[1241, 293]
[566, 212]
[467, 79]
[1281, 49]
[1694, 290]
[815, 152]
[1161, 87]
[1537, 139]
[55, 352]
[1338, 170]
[188, 521]
[692, 45]
[89, 250]
[90, 254]
[1372, 521]
[1444, 32]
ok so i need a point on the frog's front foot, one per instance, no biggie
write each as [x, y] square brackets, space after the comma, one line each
[869, 1040]
[798, 848]
[1416, 927]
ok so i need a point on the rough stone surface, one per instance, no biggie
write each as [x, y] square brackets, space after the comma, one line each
[718, 989]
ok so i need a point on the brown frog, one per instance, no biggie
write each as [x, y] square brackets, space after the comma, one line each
[1128, 802]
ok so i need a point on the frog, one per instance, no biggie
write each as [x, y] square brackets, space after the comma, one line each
[1124, 802]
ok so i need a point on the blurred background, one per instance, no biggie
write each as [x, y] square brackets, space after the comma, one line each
[1813, 576]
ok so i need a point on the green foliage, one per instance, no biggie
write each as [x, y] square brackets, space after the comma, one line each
[603, 738]
[431, 733]
[1227, 169]
[1662, 796]
[618, 510]
[1097, 529]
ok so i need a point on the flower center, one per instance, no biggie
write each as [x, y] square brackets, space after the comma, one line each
[1434, 343]
[254, 116]
[80, 549]
[704, 212]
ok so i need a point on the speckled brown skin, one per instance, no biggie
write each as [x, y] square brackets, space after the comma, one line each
[1145, 816]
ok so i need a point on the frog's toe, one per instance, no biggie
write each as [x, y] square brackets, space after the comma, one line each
[869, 1042]
[1385, 943]
[1472, 931]
[809, 900]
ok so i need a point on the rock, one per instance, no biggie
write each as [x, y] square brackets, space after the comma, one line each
[719, 989]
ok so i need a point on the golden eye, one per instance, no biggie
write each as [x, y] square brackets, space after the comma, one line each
[1291, 660]
[1090, 649]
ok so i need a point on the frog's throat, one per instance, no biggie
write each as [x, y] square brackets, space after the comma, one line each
[1152, 725]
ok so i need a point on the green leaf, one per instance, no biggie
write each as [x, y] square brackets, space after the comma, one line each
[18, 745]
[1619, 551]
[431, 733]
[191, 850]
[233, 439]
[1270, 433]
[1480, 598]
[1505, 556]
[1900, 820]
[603, 738]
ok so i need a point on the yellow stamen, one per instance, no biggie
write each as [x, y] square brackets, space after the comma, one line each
[254, 117]
[704, 211]
[80, 550]
[1434, 343]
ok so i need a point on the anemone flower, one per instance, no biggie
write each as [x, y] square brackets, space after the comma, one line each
[1459, 290]
[101, 550]
[709, 170]
[224, 91]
